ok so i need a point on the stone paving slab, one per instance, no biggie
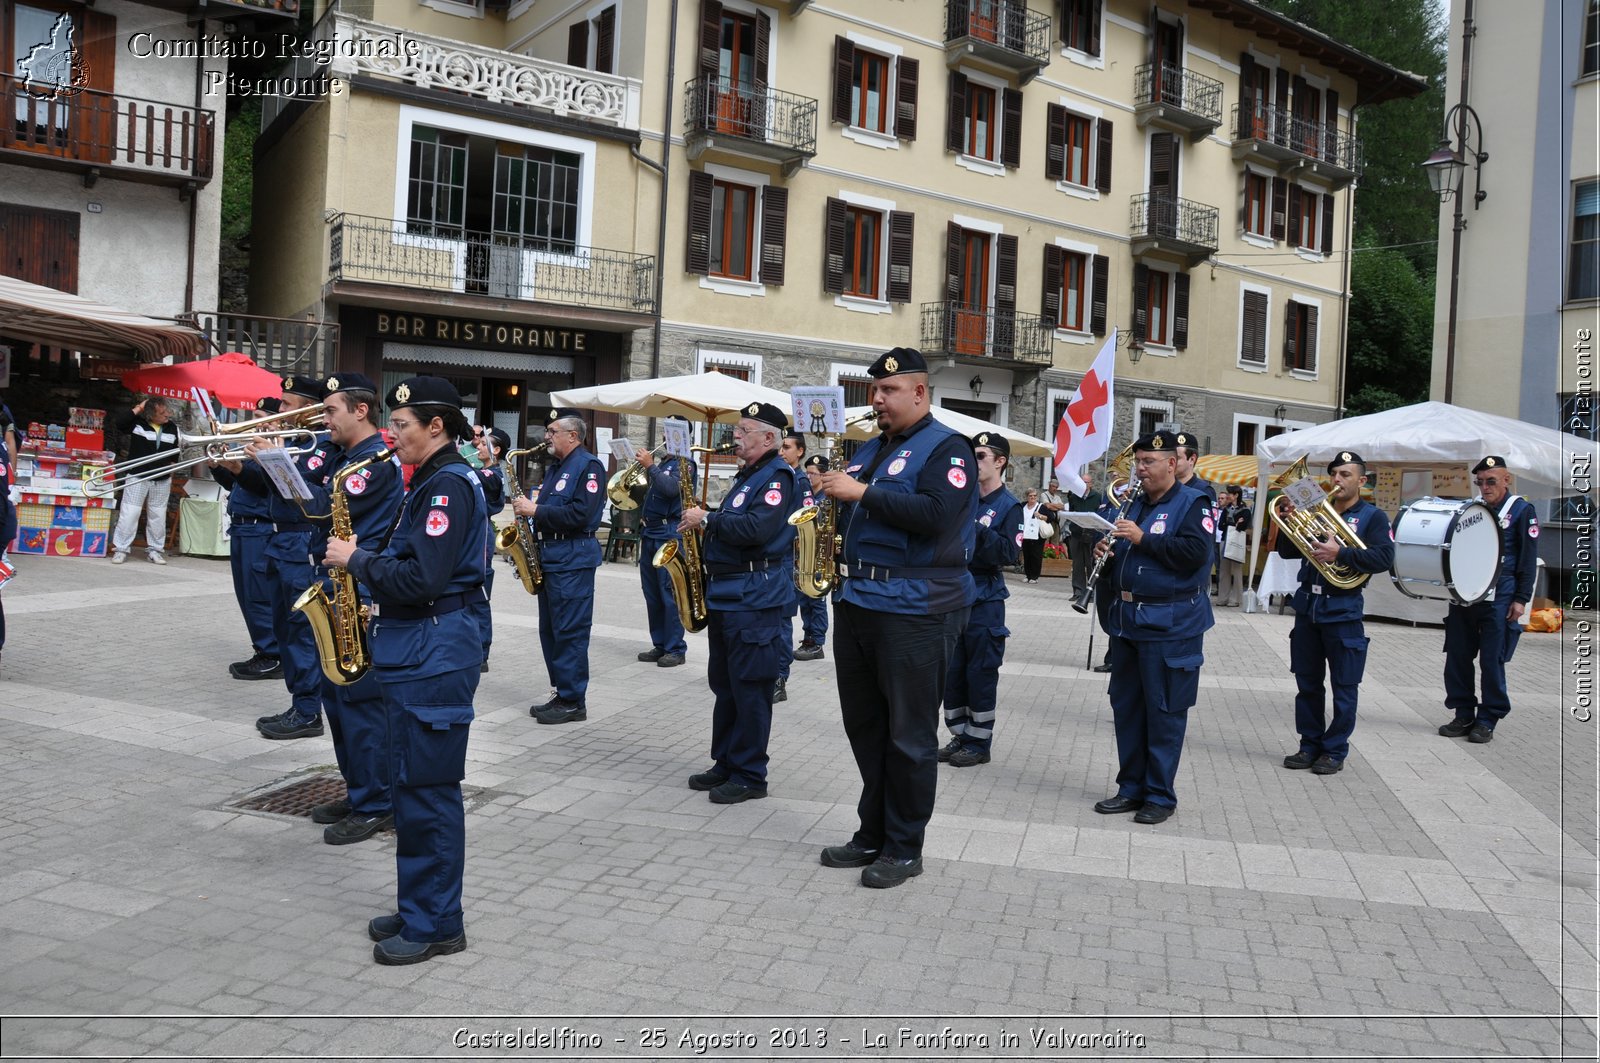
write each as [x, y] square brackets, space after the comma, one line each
[1435, 898]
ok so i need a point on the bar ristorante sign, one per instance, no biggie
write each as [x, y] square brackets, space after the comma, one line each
[482, 332]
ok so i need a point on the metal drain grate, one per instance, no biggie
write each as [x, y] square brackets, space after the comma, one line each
[297, 798]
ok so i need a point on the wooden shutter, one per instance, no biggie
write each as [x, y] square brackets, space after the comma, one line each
[1249, 327]
[1301, 92]
[1011, 135]
[763, 45]
[1247, 94]
[1288, 333]
[710, 36]
[901, 229]
[1280, 127]
[697, 248]
[1055, 265]
[1005, 295]
[1102, 167]
[1097, 298]
[774, 236]
[605, 41]
[1180, 311]
[41, 246]
[1309, 357]
[1152, 49]
[1163, 163]
[952, 262]
[1094, 25]
[1280, 206]
[835, 234]
[955, 127]
[1055, 143]
[1294, 215]
[1141, 295]
[905, 98]
[1330, 138]
[578, 44]
[844, 69]
[1327, 224]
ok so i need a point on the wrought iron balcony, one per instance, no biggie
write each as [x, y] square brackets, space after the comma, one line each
[1000, 33]
[99, 133]
[1177, 228]
[979, 334]
[1295, 145]
[757, 120]
[390, 251]
[1172, 97]
[281, 344]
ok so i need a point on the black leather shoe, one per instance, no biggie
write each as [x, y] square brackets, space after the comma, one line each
[707, 780]
[291, 725]
[258, 667]
[262, 721]
[484, 667]
[652, 654]
[1113, 806]
[780, 691]
[808, 651]
[1455, 728]
[848, 855]
[357, 828]
[332, 812]
[1481, 733]
[731, 793]
[384, 927]
[1299, 761]
[1153, 814]
[559, 711]
[968, 758]
[397, 951]
[949, 749]
[889, 871]
[1102, 668]
[1326, 765]
[669, 660]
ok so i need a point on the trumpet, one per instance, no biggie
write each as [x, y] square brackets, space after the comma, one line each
[218, 446]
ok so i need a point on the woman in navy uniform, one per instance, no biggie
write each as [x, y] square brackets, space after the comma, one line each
[1329, 637]
[748, 552]
[974, 680]
[658, 526]
[426, 648]
[249, 528]
[1156, 612]
[564, 519]
[911, 499]
[1487, 633]
[492, 445]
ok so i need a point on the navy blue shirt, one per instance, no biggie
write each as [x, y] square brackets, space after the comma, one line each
[751, 527]
[1519, 550]
[571, 500]
[1323, 602]
[998, 543]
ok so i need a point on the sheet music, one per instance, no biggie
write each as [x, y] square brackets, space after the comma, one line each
[280, 468]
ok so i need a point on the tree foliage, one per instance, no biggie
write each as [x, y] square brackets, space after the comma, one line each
[1391, 331]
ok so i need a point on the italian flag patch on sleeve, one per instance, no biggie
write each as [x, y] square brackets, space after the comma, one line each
[440, 500]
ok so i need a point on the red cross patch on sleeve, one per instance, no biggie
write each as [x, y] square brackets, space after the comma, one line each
[436, 523]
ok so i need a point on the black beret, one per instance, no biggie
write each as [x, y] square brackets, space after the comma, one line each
[900, 360]
[994, 441]
[1158, 441]
[1346, 457]
[766, 413]
[269, 405]
[556, 413]
[799, 436]
[305, 386]
[350, 382]
[817, 462]
[502, 441]
[423, 391]
[1184, 439]
[1493, 461]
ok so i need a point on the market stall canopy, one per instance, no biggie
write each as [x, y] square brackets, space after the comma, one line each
[1545, 462]
[1022, 444]
[708, 396]
[38, 314]
[1239, 469]
[232, 379]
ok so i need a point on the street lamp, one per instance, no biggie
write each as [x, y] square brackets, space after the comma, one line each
[1446, 168]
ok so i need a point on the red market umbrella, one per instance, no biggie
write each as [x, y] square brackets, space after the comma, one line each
[233, 379]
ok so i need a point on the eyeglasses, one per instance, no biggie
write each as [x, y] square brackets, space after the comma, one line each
[400, 424]
[1487, 481]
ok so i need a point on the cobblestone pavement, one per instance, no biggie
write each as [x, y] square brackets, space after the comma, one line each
[1435, 898]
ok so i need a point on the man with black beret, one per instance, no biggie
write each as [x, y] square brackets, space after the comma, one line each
[909, 501]
[1487, 632]
[659, 515]
[1188, 455]
[249, 528]
[564, 518]
[748, 549]
[491, 445]
[1156, 612]
[1329, 638]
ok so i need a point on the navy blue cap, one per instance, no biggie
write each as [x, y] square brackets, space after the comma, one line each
[502, 441]
[766, 413]
[308, 387]
[1346, 457]
[350, 382]
[1184, 439]
[994, 441]
[817, 462]
[555, 414]
[1161, 442]
[900, 360]
[1493, 461]
[269, 405]
[423, 391]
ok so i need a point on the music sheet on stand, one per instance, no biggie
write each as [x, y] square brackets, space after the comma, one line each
[284, 474]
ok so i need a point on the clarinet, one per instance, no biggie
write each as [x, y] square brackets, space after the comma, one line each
[1081, 603]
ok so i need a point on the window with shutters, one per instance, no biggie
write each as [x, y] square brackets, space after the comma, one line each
[1074, 286]
[874, 91]
[1257, 204]
[1077, 150]
[1305, 234]
[1583, 265]
[736, 231]
[1079, 24]
[733, 230]
[1074, 291]
[592, 42]
[866, 252]
[1591, 40]
[1253, 306]
[984, 122]
[864, 232]
[1300, 336]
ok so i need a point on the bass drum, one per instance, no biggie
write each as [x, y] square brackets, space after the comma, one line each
[1446, 549]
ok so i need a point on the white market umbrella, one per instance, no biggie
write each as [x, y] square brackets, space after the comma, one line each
[1022, 444]
[712, 396]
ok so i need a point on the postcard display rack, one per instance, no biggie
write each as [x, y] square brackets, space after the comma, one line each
[54, 516]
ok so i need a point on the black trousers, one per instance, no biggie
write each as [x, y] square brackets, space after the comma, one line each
[891, 672]
[1032, 557]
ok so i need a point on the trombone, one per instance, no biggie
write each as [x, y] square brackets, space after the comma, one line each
[226, 442]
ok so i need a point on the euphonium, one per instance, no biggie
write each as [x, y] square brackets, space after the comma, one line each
[1308, 527]
[339, 622]
[516, 540]
[627, 486]
[686, 569]
[816, 538]
[1121, 470]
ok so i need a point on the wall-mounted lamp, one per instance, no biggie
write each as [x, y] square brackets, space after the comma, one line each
[1278, 412]
[976, 384]
[1133, 343]
[515, 390]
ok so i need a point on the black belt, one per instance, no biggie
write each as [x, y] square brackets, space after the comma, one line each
[877, 572]
[655, 522]
[249, 520]
[561, 537]
[1151, 599]
[450, 603]
[286, 528]
[731, 568]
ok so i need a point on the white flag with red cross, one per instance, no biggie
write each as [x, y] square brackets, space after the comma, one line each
[1084, 433]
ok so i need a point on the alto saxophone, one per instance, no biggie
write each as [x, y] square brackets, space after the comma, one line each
[685, 564]
[339, 622]
[516, 539]
[816, 539]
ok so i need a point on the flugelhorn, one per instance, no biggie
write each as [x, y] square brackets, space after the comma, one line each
[1308, 527]
[192, 449]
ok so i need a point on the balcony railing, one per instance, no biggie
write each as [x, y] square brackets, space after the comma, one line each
[1282, 135]
[1159, 222]
[1002, 32]
[1183, 98]
[281, 344]
[94, 131]
[498, 265]
[977, 332]
[765, 121]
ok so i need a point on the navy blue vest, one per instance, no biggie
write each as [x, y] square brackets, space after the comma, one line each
[663, 509]
[998, 544]
[571, 500]
[751, 530]
[1148, 600]
[1519, 552]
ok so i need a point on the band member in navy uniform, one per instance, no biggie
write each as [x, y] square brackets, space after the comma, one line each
[911, 500]
[970, 688]
[1329, 637]
[748, 550]
[1156, 614]
[1487, 633]
[491, 444]
[424, 574]
[355, 710]
[813, 611]
[288, 555]
[658, 526]
[249, 528]
[565, 517]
